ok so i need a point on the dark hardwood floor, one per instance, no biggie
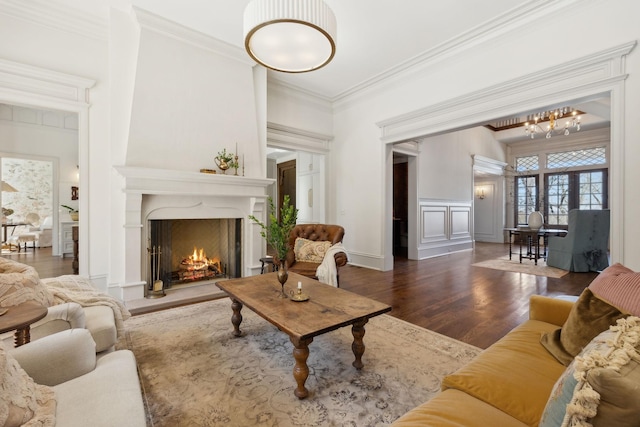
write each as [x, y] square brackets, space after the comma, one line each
[41, 259]
[448, 295]
[445, 294]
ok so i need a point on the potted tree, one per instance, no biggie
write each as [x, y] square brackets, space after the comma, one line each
[276, 233]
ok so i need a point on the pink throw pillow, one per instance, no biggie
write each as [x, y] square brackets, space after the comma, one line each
[620, 287]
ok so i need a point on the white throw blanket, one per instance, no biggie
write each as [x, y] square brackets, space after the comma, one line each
[72, 288]
[327, 272]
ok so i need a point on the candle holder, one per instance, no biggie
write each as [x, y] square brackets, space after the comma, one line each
[298, 295]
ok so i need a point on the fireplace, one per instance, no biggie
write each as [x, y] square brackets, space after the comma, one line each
[187, 251]
[161, 194]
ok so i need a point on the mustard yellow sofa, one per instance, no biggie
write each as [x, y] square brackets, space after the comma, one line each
[507, 385]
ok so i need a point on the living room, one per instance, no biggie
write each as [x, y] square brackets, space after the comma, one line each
[400, 113]
[156, 99]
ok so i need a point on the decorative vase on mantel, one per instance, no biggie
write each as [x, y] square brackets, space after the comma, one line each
[283, 275]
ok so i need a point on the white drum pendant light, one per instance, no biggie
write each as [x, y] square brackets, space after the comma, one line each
[293, 36]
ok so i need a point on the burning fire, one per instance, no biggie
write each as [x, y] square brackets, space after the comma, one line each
[199, 261]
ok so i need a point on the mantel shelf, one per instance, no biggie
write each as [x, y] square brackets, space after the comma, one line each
[167, 182]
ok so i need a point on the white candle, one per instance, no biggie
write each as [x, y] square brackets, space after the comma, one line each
[299, 285]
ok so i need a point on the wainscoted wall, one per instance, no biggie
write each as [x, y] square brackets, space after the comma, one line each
[445, 227]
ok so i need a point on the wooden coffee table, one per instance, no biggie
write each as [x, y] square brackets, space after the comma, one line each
[19, 318]
[327, 309]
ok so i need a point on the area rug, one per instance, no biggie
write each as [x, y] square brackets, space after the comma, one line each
[194, 372]
[527, 266]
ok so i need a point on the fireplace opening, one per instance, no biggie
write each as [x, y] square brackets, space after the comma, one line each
[187, 251]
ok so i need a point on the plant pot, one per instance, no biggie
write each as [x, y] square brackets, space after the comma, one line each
[74, 215]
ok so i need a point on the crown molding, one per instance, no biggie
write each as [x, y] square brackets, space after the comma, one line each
[277, 87]
[152, 22]
[531, 11]
[48, 14]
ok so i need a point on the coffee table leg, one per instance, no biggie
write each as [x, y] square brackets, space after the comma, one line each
[236, 318]
[301, 370]
[358, 345]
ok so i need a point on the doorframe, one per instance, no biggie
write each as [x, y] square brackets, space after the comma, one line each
[37, 87]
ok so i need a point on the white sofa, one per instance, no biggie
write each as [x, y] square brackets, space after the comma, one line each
[90, 390]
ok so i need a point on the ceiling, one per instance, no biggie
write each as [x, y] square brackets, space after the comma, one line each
[373, 37]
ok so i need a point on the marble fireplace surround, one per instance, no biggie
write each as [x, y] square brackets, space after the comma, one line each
[170, 194]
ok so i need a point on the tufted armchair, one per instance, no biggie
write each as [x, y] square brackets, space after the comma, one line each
[316, 233]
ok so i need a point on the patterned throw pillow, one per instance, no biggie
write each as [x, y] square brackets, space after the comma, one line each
[20, 283]
[22, 401]
[599, 388]
[310, 251]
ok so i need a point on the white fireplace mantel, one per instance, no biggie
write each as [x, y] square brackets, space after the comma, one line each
[166, 182]
[152, 193]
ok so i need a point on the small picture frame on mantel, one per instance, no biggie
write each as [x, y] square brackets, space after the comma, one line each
[74, 193]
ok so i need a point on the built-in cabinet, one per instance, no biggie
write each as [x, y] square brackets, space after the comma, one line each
[66, 237]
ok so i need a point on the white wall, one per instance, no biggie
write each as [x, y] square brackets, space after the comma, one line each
[446, 164]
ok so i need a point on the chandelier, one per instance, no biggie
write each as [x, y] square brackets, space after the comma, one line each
[532, 127]
[293, 36]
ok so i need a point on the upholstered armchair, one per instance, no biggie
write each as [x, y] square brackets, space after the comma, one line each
[308, 244]
[586, 245]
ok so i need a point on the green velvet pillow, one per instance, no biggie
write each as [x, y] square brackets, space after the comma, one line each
[588, 317]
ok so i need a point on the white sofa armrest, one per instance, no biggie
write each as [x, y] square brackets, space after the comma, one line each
[69, 315]
[57, 358]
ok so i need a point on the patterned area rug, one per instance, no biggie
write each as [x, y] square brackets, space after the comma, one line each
[527, 266]
[195, 373]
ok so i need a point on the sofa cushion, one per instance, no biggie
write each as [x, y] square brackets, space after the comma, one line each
[20, 283]
[305, 268]
[601, 386]
[101, 324]
[588, 317]
[516, 374]
[69, 354]
[22, 401]
[453, 408]
[310, 251]
[620, 287]
[110, 395]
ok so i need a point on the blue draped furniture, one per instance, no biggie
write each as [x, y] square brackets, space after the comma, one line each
[586, 245]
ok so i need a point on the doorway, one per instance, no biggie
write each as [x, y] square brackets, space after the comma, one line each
[400, 205]
[286, 183]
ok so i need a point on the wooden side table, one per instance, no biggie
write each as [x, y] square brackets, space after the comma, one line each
[266, 262]
[19, 318]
